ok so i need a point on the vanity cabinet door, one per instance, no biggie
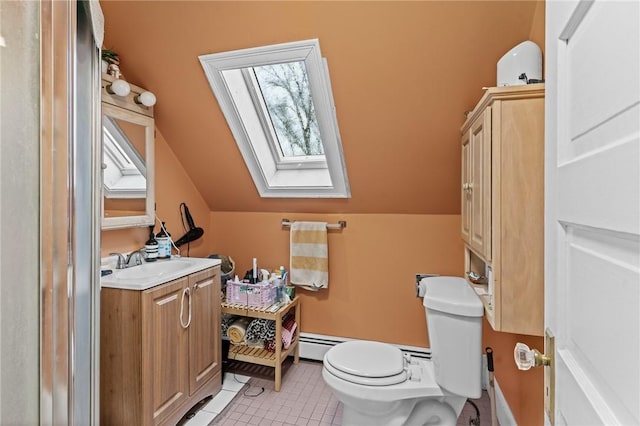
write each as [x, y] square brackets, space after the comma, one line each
[204, 331]
[165, 349]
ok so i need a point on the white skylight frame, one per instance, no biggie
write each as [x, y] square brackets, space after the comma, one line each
[273, 176]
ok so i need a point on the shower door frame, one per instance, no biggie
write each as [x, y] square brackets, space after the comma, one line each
[69, 215]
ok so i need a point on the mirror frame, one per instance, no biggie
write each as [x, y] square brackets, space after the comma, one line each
[127, 110]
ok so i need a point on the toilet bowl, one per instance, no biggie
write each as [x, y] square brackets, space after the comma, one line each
[379, 385]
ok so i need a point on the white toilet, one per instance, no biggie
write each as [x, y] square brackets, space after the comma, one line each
[379, 385]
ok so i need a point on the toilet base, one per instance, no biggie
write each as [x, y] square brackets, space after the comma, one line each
[442, 411]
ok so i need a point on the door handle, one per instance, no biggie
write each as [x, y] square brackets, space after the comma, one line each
[186, 292]
[526, 358]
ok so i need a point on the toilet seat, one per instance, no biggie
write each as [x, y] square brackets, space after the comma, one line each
[367, 363]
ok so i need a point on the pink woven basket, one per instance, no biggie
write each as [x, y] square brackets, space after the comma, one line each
[260, 295]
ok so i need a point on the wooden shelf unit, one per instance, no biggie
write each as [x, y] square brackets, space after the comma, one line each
[262, 356]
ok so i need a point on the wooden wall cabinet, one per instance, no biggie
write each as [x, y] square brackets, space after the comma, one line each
[160, 349]
[503, 204]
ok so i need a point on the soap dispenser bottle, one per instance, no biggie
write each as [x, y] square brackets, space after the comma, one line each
[151, 246]
[164, 243]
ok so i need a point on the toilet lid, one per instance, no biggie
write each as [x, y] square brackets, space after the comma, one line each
[367, 363]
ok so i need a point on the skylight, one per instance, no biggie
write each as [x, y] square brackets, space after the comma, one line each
[279, 106]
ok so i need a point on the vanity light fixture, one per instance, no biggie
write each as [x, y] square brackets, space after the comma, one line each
[121, 88]
[117, 86]
[146, 98]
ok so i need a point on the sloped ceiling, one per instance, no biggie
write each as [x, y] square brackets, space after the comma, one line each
[403, 74]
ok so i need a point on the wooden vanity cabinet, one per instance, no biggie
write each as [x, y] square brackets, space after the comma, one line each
[160, 349]
[503, 204]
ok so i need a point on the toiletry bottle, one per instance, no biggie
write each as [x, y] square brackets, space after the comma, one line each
[280, 290]
[164, 243]
[151, 247]
[282, 272]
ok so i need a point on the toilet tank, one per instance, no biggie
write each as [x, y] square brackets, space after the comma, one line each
[454, 320]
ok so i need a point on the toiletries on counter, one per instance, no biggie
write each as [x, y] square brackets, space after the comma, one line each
[151, 246]
[164, 243]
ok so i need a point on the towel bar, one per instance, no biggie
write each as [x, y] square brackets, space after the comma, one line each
[340, 225]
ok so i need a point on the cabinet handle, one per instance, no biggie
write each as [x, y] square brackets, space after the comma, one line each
[186, 291]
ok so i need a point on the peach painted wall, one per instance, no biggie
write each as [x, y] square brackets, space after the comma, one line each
[537, 27]
[523, 390]
[372, 264]
[172, 187]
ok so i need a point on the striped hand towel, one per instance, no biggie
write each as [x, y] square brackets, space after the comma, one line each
[309, 255]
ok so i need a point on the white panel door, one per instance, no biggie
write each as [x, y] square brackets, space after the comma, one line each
[592, 224]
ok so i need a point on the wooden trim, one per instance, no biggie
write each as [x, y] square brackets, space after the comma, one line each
[496, 216]
[503, 93]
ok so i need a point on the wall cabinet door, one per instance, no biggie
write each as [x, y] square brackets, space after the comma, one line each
[165, 348]
[476, 180]
[204, 330]
[465, 204]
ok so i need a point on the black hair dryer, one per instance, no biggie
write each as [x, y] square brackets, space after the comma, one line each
[193, 233]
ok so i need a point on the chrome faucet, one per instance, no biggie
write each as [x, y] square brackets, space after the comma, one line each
[135, 258]
[121, 263]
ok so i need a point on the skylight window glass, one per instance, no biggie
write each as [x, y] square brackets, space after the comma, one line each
[287, 96]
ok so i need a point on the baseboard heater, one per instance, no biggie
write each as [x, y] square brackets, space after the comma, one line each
[314, 346]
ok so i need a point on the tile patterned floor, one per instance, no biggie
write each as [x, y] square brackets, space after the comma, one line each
[303, 399]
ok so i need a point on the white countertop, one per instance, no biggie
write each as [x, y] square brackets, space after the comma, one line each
[151, 274]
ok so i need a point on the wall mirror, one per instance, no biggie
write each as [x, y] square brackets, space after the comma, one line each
[127, 162]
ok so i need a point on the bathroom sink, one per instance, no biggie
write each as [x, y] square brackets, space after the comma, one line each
[154, 269]
[155, 273]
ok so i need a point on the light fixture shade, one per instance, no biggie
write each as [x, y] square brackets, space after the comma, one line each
[119, 87]
[147, 99]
